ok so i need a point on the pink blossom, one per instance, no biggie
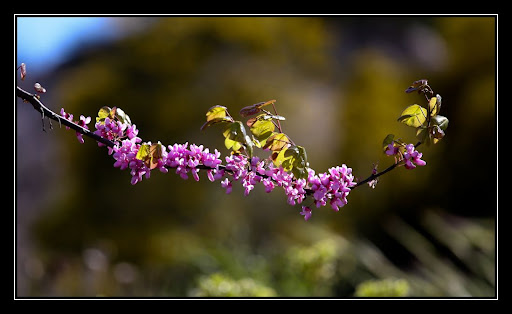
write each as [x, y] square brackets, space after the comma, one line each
[392, 150]
[227, 185]
[412, 157]
[306, 212]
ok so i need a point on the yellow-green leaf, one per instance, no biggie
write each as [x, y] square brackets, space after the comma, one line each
[216, 112]
[414, 116]
[143, 152]
[434, 105]
[105, 112]
[277, 142]
[236, 136]
[281, 157]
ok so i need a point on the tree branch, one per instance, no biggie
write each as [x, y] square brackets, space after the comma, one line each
[378, 174]
[38, 106]
[33, 99]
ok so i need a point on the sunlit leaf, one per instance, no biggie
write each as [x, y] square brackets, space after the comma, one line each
[235, 136]
[261, 129]
[216, 114]
[143, 152]
[292, 159]
[105, 112]
[122, 116]
[150, 154]
[434, 106]
[233, 145]
[277, 142]
[414, 116]
[282, 159]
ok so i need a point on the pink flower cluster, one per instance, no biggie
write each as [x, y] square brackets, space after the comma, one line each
[115, 130]
[186, 160]
[125, 156]
[82, 122]
[331, 187]
[411, 156]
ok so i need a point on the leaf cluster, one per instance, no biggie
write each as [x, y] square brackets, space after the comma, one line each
[113, 114]
[430, 126]
[265, 132]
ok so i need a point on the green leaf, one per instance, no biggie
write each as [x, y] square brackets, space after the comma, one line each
[236, 138]
[105, 112]
[439, 126]
[435, 132]
[387, 140]
[300, 162]
[302, 157]
[233, 145]
[281, 158]
[277, 142]
[150, 153]
[414, 116]
[262, 129]
[143, 152]
[294, 159]
[422, 135]
[215, 121]
[434, 105]
[300, 173]
[216, 114]
[249, 146]
[440, 121]
[122, 116]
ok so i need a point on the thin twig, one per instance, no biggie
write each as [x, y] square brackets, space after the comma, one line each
[378, 174]
[38, 106]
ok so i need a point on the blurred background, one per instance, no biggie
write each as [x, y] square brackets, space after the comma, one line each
[83, 230]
